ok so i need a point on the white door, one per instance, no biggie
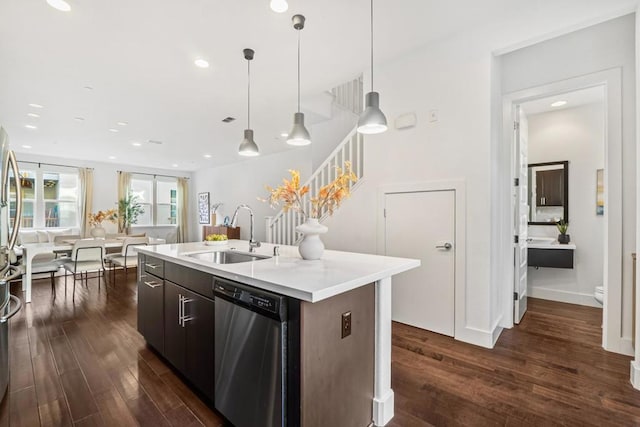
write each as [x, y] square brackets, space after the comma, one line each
[521, 214]
[422, 225]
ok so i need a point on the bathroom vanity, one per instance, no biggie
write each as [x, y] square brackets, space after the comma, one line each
[547, 252]
[274, 340]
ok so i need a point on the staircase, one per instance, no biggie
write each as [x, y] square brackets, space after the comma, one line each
[281, 229]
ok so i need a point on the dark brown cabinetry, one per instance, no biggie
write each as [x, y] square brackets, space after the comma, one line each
[150, 304]
[230, 232]
[551, 258]
[188, 332]
[550, 187]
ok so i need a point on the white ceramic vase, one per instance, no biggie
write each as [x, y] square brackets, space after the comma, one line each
[98, 232]
[311, 247]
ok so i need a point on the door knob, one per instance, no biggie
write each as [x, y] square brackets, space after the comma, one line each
[447, 246]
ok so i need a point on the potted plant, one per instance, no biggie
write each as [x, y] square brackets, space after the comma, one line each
[95, 220]
[563, 237]
[129, 209]
[326, 201]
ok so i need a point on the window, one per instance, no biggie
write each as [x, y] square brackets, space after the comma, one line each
[50, 198]
[157, 195]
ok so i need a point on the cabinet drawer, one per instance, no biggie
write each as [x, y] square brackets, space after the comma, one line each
[154, 266]
[552, 258]
[196, 281]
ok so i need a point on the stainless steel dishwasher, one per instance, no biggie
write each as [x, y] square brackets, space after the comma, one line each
[250, 355]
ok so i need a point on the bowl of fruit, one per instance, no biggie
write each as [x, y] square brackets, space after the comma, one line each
[216, 240]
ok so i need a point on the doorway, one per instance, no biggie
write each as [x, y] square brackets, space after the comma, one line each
[425, 221]
[610, 82]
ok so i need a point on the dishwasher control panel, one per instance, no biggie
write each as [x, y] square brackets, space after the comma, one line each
[245, 295]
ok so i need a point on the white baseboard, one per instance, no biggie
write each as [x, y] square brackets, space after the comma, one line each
[563, 296]
[635, 374]
[383, 409]
[480, 337]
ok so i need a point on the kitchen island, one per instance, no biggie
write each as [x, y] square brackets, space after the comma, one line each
[331, 319]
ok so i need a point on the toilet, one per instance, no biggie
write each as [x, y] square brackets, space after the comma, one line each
[599, 294]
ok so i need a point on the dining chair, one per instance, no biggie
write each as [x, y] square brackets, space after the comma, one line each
[127, 257]
[60, 240]
[87, 255]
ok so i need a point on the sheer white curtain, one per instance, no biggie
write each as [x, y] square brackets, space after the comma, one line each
[183, 212]
[124, 183]
[86, 198]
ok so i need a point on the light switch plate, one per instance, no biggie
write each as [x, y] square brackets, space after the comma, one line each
[346, 324]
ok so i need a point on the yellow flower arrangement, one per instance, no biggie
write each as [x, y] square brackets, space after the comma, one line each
[327, 200]
[110, 215]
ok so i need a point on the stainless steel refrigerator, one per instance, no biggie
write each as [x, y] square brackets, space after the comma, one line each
[9, 226]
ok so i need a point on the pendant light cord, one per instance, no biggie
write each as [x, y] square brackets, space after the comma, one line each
[248, 94]
[298, 71]
[371, 45]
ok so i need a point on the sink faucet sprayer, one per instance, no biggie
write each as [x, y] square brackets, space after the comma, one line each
[234, 220]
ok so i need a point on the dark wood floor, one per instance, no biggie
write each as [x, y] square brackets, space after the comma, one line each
[550, 370]
[84, 364]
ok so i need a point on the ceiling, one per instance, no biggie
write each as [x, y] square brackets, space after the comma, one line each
[573, 99]
[137, 59]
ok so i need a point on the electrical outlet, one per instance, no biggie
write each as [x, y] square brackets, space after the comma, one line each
[346, 324]
[433, 116]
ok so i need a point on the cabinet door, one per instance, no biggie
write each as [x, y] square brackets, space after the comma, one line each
[151, 310]
[199, 326]
[174, 333]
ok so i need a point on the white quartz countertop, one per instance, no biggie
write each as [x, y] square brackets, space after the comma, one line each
[288, 274]
[548, 243]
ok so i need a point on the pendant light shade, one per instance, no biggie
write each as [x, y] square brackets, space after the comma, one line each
[248, 146]
[299, 134]
[372, 120]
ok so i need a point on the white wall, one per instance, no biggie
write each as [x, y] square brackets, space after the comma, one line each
[576, 135]
[105, 187]
[244, 182]
[600, 47]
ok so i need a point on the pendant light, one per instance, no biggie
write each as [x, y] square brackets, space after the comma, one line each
[299, 134]
[372, 119]
[248, 146]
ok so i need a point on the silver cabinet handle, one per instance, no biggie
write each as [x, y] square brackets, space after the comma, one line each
[180, 310]
[153, 284]
[186, 318]
[11, 161]
[446, 246]
[13, 312]
[152, 266]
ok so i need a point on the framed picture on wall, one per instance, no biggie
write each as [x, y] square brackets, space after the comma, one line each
[600, 192]
[203, 207]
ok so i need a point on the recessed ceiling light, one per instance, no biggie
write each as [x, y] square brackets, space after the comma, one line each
[284, 134]
[79, 119]
[26, 146]
[60, 5]
[279, 6]
[34, 115]
[36, 106]
[31, 127]
[174, 165]
[122, 123]
[559, 103]
[201, 63]
[136, 144]
[207, 156]
[113, 130]
[112, 157]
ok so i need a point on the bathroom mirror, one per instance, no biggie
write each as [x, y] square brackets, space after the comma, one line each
[548, 193]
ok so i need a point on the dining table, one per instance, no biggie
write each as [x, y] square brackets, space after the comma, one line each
[30, 250]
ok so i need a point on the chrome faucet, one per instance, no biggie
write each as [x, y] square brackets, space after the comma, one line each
[234, 220]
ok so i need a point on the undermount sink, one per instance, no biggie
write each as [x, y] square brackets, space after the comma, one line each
[227, 257]
[541, 240]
